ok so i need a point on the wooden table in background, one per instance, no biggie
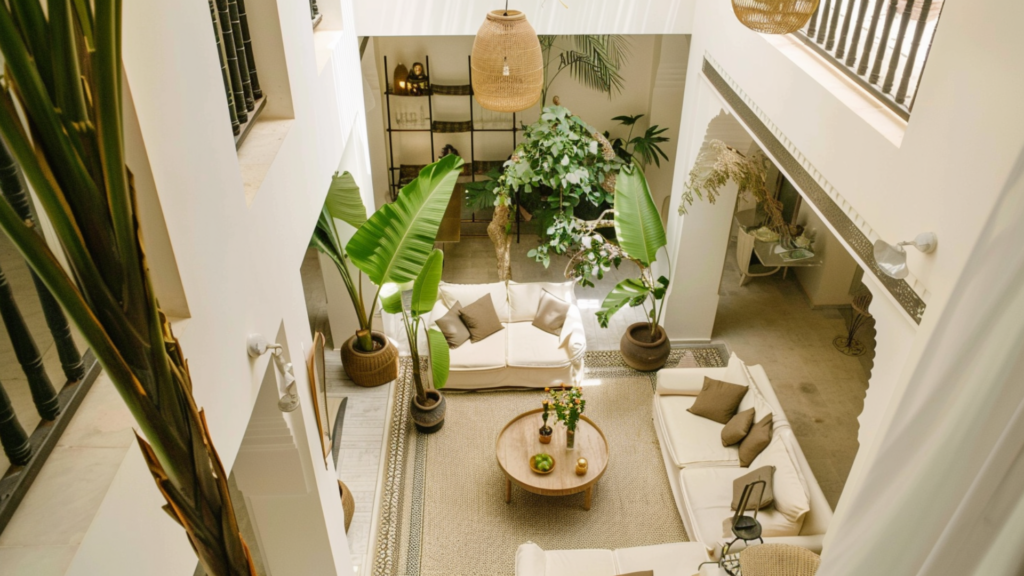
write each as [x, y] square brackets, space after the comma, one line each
[519, 441]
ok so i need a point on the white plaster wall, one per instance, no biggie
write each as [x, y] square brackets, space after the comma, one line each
[455, 17]
[238, 264]
[828, 284]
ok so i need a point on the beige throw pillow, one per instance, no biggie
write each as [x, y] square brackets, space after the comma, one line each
[451, 325]
[718, 400]
[763, 473]
[551, 313]
[481, 319]
[737, 427]
[757, 440]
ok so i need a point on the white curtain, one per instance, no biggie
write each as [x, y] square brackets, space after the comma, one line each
[945, 494]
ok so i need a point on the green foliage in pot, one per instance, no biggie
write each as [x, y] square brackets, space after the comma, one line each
[63, 66]
[393, 244]
[645, 148]
[414, 305]
[640, 237]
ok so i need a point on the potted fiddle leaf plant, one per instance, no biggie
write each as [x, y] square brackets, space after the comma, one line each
[413, 306]
[389, 246]
[640, 236]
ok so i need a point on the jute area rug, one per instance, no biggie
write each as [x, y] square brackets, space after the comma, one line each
[443, 510]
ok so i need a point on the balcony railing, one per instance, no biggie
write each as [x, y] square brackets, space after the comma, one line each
[881, 44]
[237, 64]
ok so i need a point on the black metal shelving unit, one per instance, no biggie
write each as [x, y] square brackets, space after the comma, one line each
[473, 169]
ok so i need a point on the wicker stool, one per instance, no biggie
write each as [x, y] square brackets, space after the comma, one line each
[778, 560]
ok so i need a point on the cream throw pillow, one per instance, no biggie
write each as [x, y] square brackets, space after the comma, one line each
[789, 492]
[551, 311]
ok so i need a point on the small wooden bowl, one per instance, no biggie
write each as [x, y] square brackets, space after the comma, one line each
[548, 471]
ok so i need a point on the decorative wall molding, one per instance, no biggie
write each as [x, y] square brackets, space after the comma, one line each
[836, 210]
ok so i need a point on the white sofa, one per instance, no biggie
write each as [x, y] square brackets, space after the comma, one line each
[675, 559]
[520, 355]
[701, 471]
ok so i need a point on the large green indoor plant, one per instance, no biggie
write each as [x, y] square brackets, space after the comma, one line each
[391, 246]
[63, 66]
[640, 235]
[413, 306]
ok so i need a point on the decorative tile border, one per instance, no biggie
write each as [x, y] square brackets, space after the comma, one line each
[839, 213]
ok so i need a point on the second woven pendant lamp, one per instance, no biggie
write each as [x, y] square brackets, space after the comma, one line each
[774, 16]
[508, 70]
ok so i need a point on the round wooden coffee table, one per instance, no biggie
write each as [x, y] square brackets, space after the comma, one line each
[519, 441]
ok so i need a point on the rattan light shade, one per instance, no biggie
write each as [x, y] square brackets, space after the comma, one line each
[774, 16]
[507, 39]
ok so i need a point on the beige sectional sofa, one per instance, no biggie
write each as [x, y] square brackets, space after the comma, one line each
[520, 355]
[675, 559]
[701, 471]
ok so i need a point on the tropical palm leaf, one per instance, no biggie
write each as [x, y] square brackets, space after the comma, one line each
[395, 242]
[440, 360]
[344, 201]
[630, 291]
[638, 225]
[424, 288]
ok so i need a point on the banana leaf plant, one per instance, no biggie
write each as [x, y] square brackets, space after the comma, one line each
[414, 306]
[640, 236]
[63, 72]
[390, 246]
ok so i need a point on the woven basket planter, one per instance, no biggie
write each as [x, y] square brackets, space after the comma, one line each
[507, 39]
[348, 504]
[774, 16]
[370, 369]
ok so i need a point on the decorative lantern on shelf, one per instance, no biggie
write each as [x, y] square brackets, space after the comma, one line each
[507, 66]
[774, 16]
[401, 74]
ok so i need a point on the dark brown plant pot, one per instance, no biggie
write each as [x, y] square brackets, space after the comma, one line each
[369, 369]
[639, 352]
[430, 418]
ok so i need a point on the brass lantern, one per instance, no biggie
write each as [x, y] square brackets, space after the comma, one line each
[774, 16]
[507, 66]
[401, 74]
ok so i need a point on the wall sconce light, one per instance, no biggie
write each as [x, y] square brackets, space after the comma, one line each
[257, 345]
[892, 260]
[401, 74]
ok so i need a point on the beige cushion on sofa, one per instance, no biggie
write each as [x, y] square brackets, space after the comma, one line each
[579, 563]
[480, 318]
[692, 440]
[789, 487]
[468, 293]
[524, 298]
[486, 354]
[551, 313]
[531, 347]
[758, 494]
[717, 400]
[708, 492]
[664, 559]
[736, 429]
[685, 381]
[451, 325]
[756, 440]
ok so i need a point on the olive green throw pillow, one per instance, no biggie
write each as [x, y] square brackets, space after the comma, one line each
[763, 473]
[737, 427]
[551, 313]
[455, 332]
[756, 441]
[481, 319]
[718, 400]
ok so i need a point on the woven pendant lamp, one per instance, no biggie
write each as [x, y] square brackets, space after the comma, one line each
[508, 70]
[774, 16]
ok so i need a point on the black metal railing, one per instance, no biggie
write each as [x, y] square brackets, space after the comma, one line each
[881, 44]
[314, 12]
[26, 452]
[237, 62]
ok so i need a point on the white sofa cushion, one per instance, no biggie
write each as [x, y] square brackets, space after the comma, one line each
[530, 560]
[708, 493]
[693, 440]
[531, 347]
[486, 354]
[523, 299]
[789, 486]
[579, 563]
[685, 381]
[676, 558]
[466, 294]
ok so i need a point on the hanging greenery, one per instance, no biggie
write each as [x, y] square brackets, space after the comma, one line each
[719, 163]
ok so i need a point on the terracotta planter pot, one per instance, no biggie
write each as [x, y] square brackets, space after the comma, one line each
[369, 369]
[639, 352]
[429, 419]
